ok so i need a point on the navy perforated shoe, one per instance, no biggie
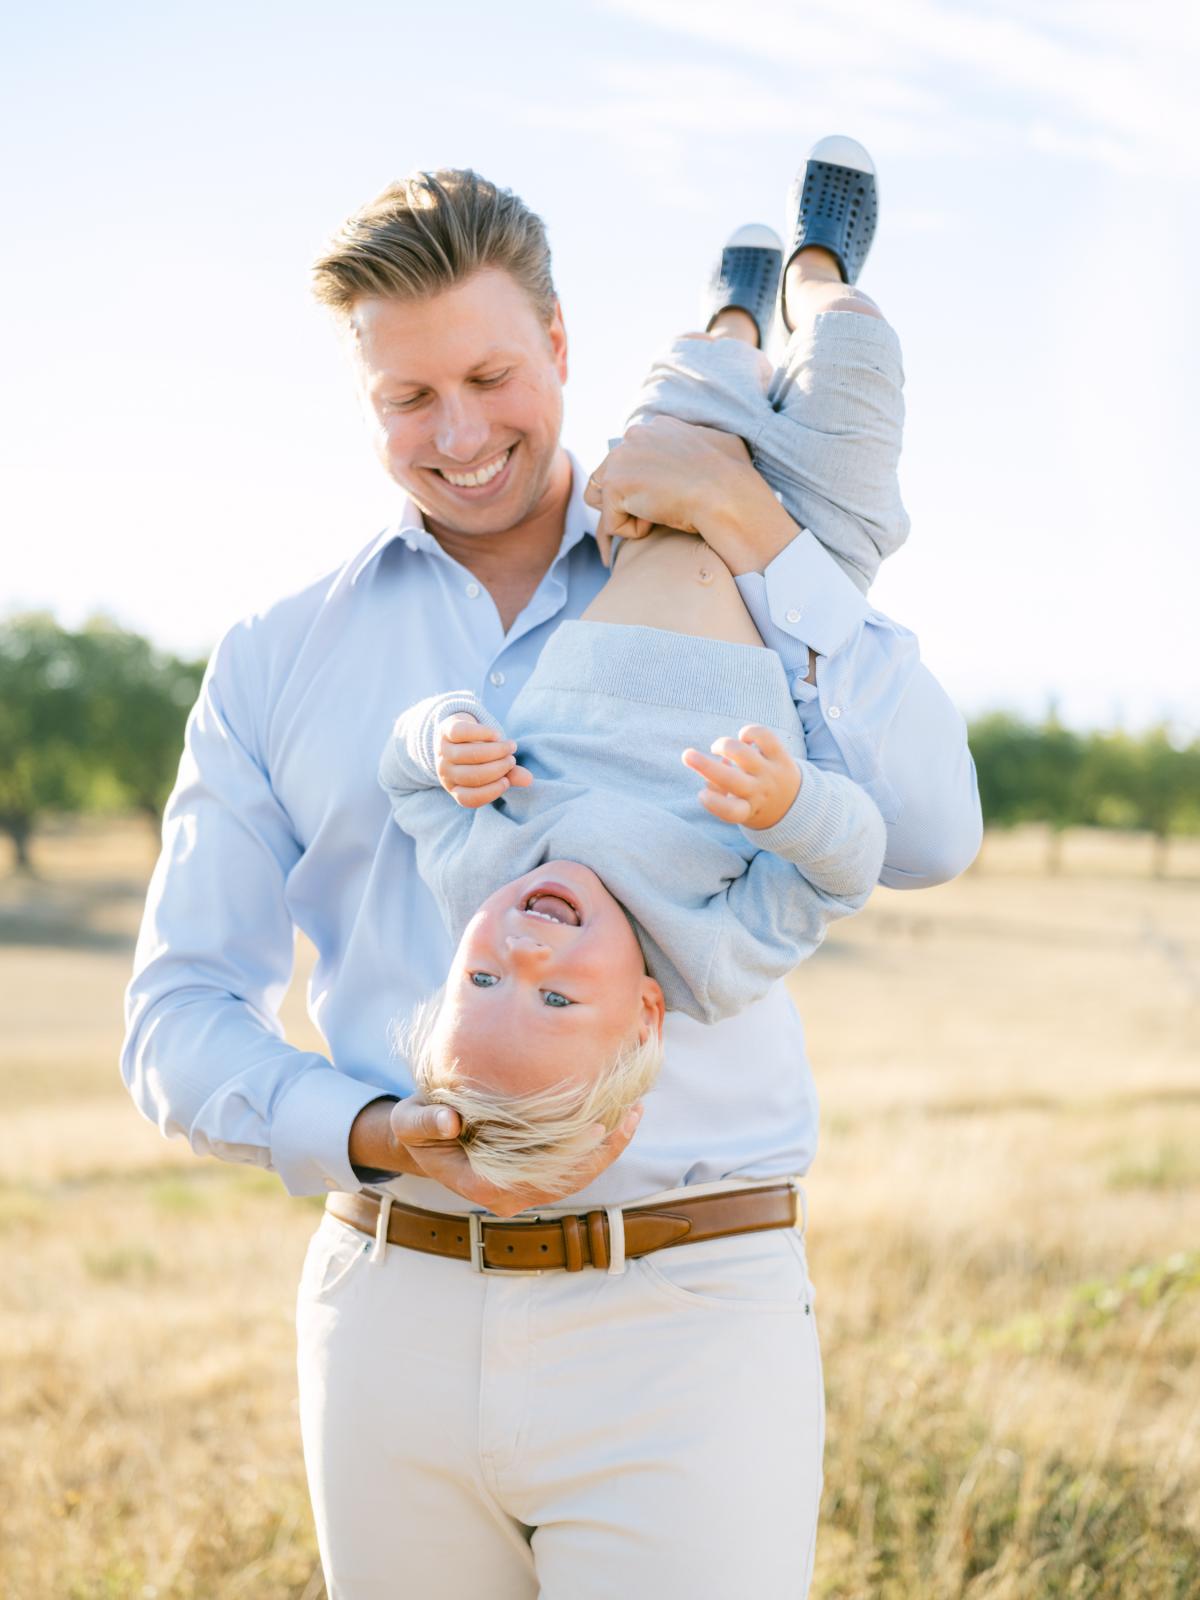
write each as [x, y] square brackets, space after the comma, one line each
[834, 203]
[747, 277]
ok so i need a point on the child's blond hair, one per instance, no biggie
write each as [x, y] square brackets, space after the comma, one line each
[530, 1141]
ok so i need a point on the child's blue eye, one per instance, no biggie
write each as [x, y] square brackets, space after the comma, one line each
[553, 998]
[484, 980]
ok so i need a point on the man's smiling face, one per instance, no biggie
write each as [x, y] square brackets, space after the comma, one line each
[465, 392]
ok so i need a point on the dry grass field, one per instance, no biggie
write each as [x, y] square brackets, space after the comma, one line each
[1005, 1237]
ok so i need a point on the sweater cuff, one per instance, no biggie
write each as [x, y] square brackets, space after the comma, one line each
[812, 828]
[448, 705]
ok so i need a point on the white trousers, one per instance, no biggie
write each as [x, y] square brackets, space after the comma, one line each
[570, 1436]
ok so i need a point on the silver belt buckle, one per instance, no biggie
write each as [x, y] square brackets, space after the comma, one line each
[475, 1230]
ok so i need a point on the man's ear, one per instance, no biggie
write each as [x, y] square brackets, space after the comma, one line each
[557, 332]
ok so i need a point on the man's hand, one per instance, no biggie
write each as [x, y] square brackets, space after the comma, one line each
[475, 763]
[447, 1164]
[751, 780]
[696, 479]
[387, 1132]
[421, 1140]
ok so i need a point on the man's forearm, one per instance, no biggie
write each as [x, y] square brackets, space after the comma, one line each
[373, 1145]
[744, 522]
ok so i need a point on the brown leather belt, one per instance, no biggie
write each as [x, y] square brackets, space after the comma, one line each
[542, 1244]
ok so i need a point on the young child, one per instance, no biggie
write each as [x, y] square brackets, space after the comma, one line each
[589, 888]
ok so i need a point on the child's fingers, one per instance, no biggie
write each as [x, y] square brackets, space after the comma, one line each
[742, 755]
[473, 798]
[463, 728]
[472, 755]
[719, 774]
[729, 807]
[769, 742]
[474, 776]
[520, 777]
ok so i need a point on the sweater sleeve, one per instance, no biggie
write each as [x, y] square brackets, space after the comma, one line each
[832, 833]
[817, 864]
[437, 824]
[409, 761]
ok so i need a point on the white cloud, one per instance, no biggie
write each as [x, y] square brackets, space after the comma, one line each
[1113, 83]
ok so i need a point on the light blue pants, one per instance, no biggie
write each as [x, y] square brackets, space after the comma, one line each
[824, 428]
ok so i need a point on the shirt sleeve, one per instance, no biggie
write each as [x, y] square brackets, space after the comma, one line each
[875, 714]
[204, 1055]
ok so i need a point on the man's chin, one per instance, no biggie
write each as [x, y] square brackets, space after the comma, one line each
[484, 523]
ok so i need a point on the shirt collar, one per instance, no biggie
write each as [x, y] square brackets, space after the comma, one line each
[580, 522]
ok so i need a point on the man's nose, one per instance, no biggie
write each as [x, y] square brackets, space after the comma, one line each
[462, 429]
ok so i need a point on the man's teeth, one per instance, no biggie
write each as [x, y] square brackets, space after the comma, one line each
[472, 480]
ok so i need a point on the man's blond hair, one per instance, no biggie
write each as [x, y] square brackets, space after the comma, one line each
[529, 1141]
[428, 232]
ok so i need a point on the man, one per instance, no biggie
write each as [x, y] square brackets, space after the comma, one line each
[648, 1426]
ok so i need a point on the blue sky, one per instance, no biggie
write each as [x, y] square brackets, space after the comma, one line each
[180, 441]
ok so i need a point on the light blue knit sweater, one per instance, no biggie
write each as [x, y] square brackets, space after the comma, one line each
[721, 912]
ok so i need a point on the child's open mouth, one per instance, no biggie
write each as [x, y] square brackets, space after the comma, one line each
[551, 903]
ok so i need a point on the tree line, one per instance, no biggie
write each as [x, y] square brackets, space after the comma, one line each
[1044, 772]
[90, 720]
[93, 719]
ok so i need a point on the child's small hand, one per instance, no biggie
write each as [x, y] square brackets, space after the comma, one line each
[752, 780]
[476, 764]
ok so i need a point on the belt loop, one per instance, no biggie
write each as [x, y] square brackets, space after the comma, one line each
[616, 1240]
[381, 1228]
[803, 1199]
[572, 1244]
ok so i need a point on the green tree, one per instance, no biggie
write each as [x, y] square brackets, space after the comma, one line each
[138, 701]
[1029, 774]
[86, 718]
[1165, 788]
[43, 723]
[1109, 781]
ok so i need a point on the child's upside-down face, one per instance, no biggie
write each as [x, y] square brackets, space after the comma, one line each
[547, 984]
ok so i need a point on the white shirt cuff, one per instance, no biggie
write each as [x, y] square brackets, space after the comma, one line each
[811, 598]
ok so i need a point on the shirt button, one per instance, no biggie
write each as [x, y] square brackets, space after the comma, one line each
[496, 678]
[473, 591]
[835, 711]
[793, 615]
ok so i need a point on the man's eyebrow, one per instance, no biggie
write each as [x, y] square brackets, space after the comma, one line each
[499, 354]
[496, 353]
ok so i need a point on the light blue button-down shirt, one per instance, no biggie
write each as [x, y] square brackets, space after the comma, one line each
[277, 822]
